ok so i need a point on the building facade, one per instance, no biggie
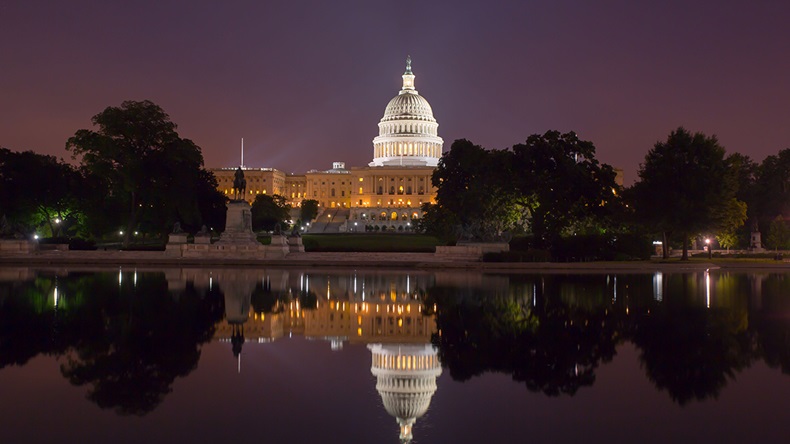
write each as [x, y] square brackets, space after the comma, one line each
[387, 194]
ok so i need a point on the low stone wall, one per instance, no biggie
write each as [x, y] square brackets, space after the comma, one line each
[471, 250]
[230, 251]
[12, 246]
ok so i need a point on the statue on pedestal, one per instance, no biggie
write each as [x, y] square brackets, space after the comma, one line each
[239, 184]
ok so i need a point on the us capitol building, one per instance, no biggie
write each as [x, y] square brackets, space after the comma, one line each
[387, 194]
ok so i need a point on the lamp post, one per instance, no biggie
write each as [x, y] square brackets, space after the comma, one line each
[710, 252]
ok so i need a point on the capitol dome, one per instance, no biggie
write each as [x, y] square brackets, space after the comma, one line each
[408, 132]
[406, 381]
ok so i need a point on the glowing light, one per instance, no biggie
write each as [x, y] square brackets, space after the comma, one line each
[57, 220]
[35, 236]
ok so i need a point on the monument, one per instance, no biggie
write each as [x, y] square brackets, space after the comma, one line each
[755, 243]
[238, 221]
[237, 241]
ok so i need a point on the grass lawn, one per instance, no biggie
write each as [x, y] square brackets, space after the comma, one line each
[386, 242]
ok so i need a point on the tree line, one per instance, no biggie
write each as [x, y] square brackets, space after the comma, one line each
[132, 179]
[134, 176]
[552, 190]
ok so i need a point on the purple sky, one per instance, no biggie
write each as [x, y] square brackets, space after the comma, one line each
[306, 82]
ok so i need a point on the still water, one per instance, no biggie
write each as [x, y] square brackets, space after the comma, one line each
[361, 356]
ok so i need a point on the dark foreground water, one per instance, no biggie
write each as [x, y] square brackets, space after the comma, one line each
[352, 356]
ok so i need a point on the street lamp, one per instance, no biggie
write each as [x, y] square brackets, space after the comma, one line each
[710, 252]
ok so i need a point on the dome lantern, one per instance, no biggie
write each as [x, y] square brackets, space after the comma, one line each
[408, 78]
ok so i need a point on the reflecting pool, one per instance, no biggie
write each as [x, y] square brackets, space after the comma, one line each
[290, 355]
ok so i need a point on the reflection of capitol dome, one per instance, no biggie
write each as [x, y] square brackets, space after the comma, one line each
[406, 380]
[407, 132]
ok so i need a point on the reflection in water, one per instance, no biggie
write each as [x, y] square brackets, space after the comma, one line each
[382, 310]
[126, 339]
[127, 335]
[406, 381]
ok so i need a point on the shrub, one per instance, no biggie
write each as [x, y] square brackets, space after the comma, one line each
[81, 244]
[531, 255]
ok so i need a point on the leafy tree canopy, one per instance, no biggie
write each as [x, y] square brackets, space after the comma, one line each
[687, 186]
[474, 186]
[145, 167]
[778, 236]
[38, 192]
[268, 211]
[309, 210]
[563, 180]
[772, 188]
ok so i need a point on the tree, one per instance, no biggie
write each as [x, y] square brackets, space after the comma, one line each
[438, 222]
[268, 211]
[474, 186]
[732, 216]
[559, 175]
[146, 168]
[772, 188]
[309, 210]
[778, 234]
[38, 191]
[686, 187]
[747, 173]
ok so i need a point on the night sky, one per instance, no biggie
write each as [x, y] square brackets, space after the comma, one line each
[305, 83]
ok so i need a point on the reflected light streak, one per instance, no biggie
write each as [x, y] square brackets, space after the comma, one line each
[707, 288]
[658, 286]
[614, 299]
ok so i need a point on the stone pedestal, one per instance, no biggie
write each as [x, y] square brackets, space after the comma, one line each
[279, 240]
[295, 244]
[205, 239]
[755, 243]
[177, 238]
[175, 244]
[238, 225]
